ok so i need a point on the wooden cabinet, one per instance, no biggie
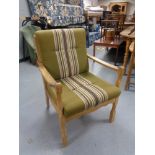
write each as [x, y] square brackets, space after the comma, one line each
[118, 7]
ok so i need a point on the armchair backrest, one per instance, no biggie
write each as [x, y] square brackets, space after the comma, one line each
[62, 51]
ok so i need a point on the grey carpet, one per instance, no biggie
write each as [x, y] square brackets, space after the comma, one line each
[91, 134]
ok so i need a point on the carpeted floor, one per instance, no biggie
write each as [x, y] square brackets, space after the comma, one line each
[91, 134]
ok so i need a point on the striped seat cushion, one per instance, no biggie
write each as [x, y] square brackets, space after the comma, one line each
[89, 93]
[83, 91]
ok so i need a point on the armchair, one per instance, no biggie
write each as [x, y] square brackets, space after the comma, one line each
[71, 88]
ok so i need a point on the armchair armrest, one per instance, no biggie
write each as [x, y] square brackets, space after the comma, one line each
[118, 70]
[51, 82]
[46, 75]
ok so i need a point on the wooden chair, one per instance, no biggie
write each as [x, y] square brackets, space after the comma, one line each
[120, 18]
[105, 15]
[71, 88]
[131, 65]
[108, 24]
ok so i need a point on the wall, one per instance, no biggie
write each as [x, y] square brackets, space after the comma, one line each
[23, 11]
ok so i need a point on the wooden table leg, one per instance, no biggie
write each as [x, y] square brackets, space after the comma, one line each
[129, 71]
[128, 41]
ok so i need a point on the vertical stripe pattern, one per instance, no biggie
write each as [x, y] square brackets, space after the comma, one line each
[89, 93]
[66, 54]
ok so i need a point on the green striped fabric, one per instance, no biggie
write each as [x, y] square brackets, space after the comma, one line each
[72, 103]
[66, 53]
[52, 43]
[65, 46]
[90, 94]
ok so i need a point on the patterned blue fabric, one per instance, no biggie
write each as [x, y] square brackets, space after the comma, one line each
[94, 28]
[64, 10]
[57, 12]
[62, 1]
[94, 34]
[38, 7]
[75, 2]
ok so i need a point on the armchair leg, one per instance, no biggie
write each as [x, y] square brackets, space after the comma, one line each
[113, 111]
[63, 130]
[47, 100]
[46, 95]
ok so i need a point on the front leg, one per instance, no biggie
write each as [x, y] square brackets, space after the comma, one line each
[46, 95]
[63, 130]
[113, 111]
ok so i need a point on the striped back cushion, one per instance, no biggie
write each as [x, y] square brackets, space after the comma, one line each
[63, 51]
[66, 54]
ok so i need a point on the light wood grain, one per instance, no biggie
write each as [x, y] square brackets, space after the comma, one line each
[131, 64]
[118, 70]
[46, 75]
[128, 32]
[46, 94]
[113, 111]
[129, 35]
[91, 109]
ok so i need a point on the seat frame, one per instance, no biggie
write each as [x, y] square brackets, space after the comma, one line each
[49, 80]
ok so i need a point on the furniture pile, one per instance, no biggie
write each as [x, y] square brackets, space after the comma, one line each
[58, 12]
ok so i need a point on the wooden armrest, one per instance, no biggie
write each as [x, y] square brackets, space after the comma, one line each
[115, 68]
[47, 76]
[118, 70]
[51, 82]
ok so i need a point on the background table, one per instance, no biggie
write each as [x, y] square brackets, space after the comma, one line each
[108, 43]
[129, 35]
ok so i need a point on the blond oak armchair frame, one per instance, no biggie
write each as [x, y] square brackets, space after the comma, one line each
[49, 80]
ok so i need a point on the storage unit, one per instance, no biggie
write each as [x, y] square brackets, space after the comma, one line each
[118, 7]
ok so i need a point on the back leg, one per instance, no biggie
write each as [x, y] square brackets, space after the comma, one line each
[46, 95]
